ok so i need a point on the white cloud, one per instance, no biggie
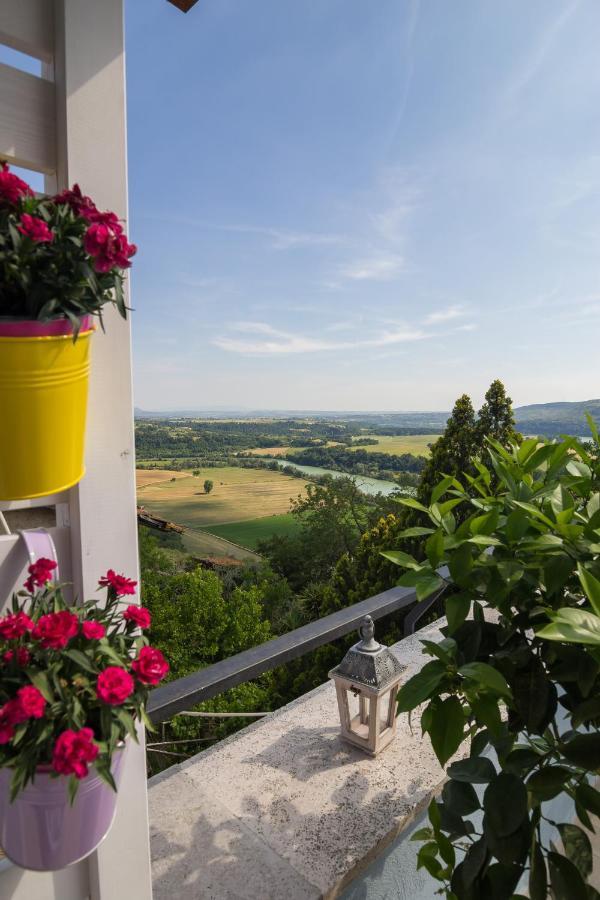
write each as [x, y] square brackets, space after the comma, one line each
[277, 342]
[376, 268]
[444, 315]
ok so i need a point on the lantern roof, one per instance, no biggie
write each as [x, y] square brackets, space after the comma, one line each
[368, 662]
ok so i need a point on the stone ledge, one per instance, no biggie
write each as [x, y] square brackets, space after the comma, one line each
[284, 809]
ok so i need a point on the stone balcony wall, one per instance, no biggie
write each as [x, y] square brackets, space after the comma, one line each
[285, 809]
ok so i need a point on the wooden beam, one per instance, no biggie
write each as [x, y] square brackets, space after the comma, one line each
[27, 120]
[28, 26]
[183, 5]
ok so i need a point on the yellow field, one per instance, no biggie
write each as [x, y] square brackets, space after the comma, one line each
[272, 451]
[402, 443]
[145, 477]
[238, 494]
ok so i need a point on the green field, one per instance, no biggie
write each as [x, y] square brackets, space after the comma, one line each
[245, 506]
[401, 443]
[250, 533]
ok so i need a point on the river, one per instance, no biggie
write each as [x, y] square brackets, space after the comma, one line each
[366, 484]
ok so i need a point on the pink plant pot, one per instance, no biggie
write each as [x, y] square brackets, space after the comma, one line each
[40, 830]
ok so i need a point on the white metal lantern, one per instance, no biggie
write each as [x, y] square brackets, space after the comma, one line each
[369, 673]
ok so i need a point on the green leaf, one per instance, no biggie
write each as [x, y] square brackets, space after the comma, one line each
[126, 719]
[538, 877]
[427, 584]
[521, 760]
[486, 676]
[484, 540]
[485, 524]
[421, 686]
[441, 488]
[460, 797]
[434, 548]
[511, 848]
[460, 563]
[81, 659]
[473, 863]
[505, 804]
[567, 883]
[412, 503]
[72, 788]
[572, 626]
[415, 532]
[457, 610]
[548, 782]
[589, 798]
[433, 811]
[401, 559]
[591, 586]
[577, 847]
[446, 727]
[40, 681]
[584, 751]
[475, 770]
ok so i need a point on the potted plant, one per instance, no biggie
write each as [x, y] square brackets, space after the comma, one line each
[61, 262]
[74, 683]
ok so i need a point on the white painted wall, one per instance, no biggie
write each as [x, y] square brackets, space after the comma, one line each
[70, 124]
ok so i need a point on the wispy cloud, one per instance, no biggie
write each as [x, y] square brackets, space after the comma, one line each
[531, 66]
[277, 238]
[375, 268]
[276, 342]
[444, 315]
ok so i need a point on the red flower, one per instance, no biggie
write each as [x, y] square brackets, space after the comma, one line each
[40, 572]
[55, 630]
[15, 625]
[119, 583]
[150, 666]
[81, 205]
[93, 630]
[23, 656]
[105, 241]
[7, 728]
[12, 188]
[73, 750]
[138, 614]
[31, 702]
[114, 685]
[36, 229]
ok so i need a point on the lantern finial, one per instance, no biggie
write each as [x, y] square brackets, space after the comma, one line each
[366, 630]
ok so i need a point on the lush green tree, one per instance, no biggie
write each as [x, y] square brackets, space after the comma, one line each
[208, 486]
[196, 473]
[517, 674]
[333, 516]
[453, 452]
[496, 418]
[195, 623]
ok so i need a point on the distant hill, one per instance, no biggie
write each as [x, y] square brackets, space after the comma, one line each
[552, 419]
[549, 419]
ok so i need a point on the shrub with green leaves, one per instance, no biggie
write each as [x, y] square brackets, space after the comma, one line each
[517, 673]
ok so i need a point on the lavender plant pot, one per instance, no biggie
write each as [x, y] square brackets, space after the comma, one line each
[39, 830]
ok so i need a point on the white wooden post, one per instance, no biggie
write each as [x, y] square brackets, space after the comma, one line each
[70, 124]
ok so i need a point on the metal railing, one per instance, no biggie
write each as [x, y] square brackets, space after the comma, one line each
[176, 696]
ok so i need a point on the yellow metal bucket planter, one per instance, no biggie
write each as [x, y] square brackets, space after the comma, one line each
[43, 404]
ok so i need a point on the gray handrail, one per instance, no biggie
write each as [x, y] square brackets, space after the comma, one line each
[178, 695]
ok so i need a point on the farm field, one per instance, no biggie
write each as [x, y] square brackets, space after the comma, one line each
[201, 543]
[151, 477]
[401, 443]
[273, 451]
[251, 532]
[241, 499]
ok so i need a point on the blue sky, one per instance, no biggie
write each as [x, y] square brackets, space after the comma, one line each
[343, 204]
